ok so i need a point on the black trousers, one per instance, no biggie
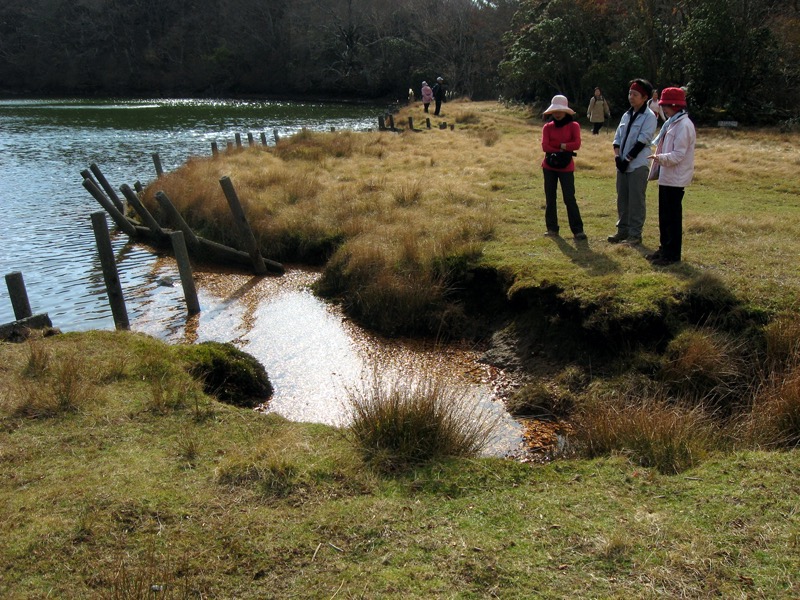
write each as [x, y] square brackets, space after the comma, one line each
[670, 221]
[567, 179]
[438, 107]
[596, 127]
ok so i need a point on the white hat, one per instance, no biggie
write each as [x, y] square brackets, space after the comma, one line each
[559, 103]
[424, 83]
[440, 79]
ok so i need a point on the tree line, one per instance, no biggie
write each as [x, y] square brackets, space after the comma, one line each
[738, 58]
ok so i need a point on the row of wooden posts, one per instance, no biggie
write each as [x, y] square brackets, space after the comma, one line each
[182, 240]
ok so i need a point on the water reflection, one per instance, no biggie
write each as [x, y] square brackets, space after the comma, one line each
[312, 352]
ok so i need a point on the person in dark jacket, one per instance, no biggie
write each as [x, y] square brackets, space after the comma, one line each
[561, 137]
[439, 92]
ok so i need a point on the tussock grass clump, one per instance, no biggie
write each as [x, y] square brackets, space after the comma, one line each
[705, 366]
[51, 385]
[397, 425]
[774, 421]
[540, 400]
[782, 337]
[651, 431]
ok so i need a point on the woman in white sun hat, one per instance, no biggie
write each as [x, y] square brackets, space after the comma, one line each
[561, 138]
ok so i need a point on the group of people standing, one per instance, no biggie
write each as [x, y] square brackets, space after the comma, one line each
[436, 94]
[672, 164]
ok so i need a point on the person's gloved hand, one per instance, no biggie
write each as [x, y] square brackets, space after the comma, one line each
[622, 165]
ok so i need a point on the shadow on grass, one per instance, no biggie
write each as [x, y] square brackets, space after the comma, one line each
[582, 255]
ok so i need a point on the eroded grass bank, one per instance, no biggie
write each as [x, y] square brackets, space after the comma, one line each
[135, 484]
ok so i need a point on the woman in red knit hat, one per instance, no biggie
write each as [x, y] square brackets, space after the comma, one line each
[673, 166]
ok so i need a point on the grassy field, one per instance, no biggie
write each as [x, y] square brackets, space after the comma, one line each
[125, 481]
[402, 221]
[121, 478]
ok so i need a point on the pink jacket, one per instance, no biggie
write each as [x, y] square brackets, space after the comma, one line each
[427, 94]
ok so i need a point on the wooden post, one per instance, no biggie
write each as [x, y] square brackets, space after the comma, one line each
[185, 270]
[19, 296]
[411, 123]
[107, 188]
[250, 141]
[333, 128]
[442, 125]
[452, 126]
[120, 219]
[238, 137]
[381, 123]
[157, 163]
[137, 185]
[245, 233]
[214, 149]
[391, 122]
[428, 122]
[141, 210]
[263, 138]
[113, 286]
[175, 217]
[87, 174]
[276, 136]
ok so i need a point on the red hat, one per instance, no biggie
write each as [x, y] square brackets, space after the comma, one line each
[673, 96]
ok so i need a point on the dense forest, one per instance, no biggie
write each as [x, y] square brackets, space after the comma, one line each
[738, 58]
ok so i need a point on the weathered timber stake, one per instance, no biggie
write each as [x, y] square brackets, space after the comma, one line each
[443, 125]
[245, 233]
[263, 138]
[107, 187]
[141, 210]
[428, 122]
[87, 174]
[276, 136]
[250, 140]
[157, 164]
[238, 137]
[381, 123]
[19, 295]
[173, 215]
[214, 149]
[333, 128]
[120, 219]
[452, 126]
[219, 252]
[137, 185]
[391, 122]
[113, 286]
[20, 328]
[185, 270]
[411, 123]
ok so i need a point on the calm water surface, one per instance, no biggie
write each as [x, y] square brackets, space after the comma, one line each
[312, 353]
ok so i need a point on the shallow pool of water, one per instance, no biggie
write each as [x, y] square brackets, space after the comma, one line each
[313, 354]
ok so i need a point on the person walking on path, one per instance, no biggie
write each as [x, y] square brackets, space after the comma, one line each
[673, 166]
[427, 95]
[439, 93]
[635, 132]
[654, 105]
[599, 110]
[561, 138]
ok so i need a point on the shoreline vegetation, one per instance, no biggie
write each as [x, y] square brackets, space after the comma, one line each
[124, 476]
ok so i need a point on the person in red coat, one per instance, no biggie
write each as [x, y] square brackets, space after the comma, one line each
[561, 138]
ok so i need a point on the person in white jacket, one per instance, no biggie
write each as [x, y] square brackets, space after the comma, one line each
[673, 166]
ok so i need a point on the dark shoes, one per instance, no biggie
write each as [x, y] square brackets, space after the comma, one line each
[664, 262]
[551, 233]
[617, 238]
[653, 256]
[579, 236]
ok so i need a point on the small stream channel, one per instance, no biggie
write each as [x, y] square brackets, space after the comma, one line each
[312, 352]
